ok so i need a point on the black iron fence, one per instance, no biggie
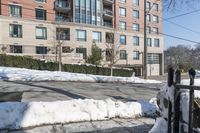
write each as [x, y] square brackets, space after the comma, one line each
[174, 112]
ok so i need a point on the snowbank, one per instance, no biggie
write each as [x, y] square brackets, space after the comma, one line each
[20, 74]
[15, 115]
[165, 95]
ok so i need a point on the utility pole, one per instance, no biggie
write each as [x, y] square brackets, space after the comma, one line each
[145, 45]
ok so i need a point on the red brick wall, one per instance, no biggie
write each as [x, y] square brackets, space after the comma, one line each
[28, 8]
[129, 15]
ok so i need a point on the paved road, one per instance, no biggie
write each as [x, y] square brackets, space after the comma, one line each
[52, 91]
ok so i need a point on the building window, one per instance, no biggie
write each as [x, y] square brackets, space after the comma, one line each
[62, 34]
[82, 51]
[122, 25]
[155, 19]
[66, 49]
[148, 41]
[41, 33]
[148, 17]
[40, 14]
[155, 30]
[153, 58]
[148, 30]
[16, 30]
[156, 43]
[122, 39]
[15, 49]
[122, 12]
[136, 2]
[81, 35]
[135, 14]
[136, 41]
[41, 50]
[123, 55]
[109, 37]
[136, 55]
[122, 1]
[148, 5]
[109, 54]
[43, 1]
[155, 7]
[135, 27]
[15, 11]
[96, 36]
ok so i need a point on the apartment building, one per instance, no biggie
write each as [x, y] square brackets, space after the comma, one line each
[36, 27]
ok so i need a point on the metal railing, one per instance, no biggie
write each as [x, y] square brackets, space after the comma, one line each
[108, 12]
[174, 115]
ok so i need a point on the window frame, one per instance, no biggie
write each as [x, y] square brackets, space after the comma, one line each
[44, 50]
[44, 14]
[137, 15]
[157, 45]
[44, 33]
[14, 50]
[78, 35]
[136, 40]
[99, 35]
[19, 27]
[137, 57]
[15, 6]
[120, 13]
[123, 43]
[122, 56]
[137, 28]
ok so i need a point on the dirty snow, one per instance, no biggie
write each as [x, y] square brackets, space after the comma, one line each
[15, 115]
[21, 74]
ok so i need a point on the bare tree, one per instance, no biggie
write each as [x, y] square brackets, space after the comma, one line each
[171, 4]
[112, 50]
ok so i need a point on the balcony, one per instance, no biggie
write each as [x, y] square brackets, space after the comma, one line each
[62, 6]
[108, 2]
[108, 24]
[108, 14]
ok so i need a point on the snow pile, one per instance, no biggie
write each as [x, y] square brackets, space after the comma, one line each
[166, 95]
[20, 74]
[16, 115]
[197, 73]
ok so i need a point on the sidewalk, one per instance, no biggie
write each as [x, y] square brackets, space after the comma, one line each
[142, 125]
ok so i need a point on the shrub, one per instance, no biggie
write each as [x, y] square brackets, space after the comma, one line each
[30, 63]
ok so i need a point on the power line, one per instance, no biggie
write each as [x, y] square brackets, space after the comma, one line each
[183, 14]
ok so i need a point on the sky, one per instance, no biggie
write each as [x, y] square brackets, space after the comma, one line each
[191, 21]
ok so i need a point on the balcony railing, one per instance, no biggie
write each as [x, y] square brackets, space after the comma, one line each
[108, 12]
[109, 2]
[62, 6]
[108, 24]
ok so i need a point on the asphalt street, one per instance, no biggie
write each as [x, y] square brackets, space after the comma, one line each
[53, 91]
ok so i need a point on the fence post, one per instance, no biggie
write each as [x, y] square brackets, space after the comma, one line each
[170, 83]
[177, 102]
[192, 74]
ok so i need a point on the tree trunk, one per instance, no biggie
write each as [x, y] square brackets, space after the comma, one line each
[111, 71]
[60, 58]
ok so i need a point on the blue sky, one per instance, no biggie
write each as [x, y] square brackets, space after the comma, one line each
[191, 21]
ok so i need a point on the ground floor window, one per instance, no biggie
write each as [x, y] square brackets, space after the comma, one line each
[82, 51]
[41, 50]
[15, 49]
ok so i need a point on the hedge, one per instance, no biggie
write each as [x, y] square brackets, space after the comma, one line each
[30, 63]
